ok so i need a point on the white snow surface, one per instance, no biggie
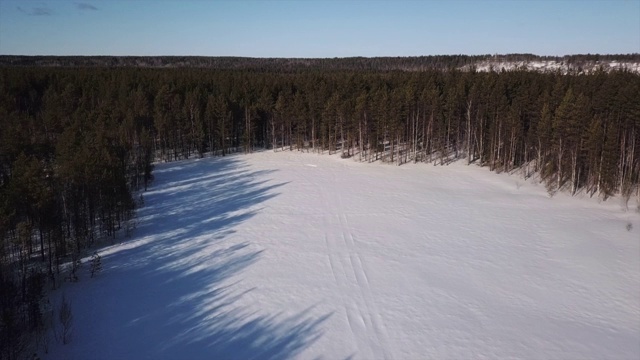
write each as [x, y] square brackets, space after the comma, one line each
[553, 66]
[307, 256]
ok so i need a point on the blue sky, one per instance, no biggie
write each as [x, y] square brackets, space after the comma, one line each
[307, 28]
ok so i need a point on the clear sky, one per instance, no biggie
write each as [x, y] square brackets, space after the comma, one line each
[309, 28]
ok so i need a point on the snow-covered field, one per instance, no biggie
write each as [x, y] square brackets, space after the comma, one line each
[280, 255]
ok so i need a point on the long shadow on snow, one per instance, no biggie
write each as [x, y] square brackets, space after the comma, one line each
[173, 292]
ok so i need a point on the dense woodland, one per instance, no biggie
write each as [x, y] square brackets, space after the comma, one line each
[404, 63]
[77, 146]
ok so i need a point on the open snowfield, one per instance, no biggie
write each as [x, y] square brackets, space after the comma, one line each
[292, 255]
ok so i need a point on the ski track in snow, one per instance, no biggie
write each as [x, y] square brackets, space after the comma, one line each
[294, 255]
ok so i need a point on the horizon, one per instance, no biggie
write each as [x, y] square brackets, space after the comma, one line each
[318, 29]
[326, 58]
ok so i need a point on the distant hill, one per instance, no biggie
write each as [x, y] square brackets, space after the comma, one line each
[564, 64]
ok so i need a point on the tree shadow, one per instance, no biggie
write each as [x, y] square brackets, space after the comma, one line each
[174, 291]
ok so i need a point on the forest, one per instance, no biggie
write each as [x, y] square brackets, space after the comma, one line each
[404, 63]
[77, 145]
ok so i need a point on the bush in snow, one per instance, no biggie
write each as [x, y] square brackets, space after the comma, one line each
[95, 264]
[76, 263]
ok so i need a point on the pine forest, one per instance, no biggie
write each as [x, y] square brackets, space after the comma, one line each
[78, 145]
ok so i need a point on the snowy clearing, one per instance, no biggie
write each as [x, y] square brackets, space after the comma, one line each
[280, 255]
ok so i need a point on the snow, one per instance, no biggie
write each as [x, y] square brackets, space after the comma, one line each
[294, 255]
[552, 66]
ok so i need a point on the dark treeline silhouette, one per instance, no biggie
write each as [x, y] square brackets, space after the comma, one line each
[77, 144]
[405, 63]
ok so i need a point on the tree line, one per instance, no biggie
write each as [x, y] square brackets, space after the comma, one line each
[71, 160]
[78, 145]
[405, 63]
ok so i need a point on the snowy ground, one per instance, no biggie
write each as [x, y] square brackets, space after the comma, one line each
[308, 256]
[553, 66]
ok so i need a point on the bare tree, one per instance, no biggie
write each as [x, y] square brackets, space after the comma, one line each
[65, 316]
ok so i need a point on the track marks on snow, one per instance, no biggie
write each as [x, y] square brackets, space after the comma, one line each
[367, 308]
[350, 275]
[333, 253]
